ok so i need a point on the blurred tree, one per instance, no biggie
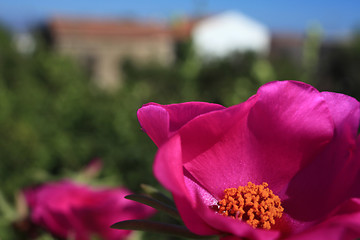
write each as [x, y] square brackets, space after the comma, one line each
[311, 50]
[339, 66]
[232, 79]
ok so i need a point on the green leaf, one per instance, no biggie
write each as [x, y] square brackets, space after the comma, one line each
[155, 204]
[6, 209]
[155, 193]
[158, 227]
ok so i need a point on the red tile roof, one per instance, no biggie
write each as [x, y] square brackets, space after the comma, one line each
[107, 28]
[179, 30]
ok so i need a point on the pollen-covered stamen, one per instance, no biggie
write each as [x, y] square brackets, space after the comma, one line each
[257, 205]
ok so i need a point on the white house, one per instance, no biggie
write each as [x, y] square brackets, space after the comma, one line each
[222, 34]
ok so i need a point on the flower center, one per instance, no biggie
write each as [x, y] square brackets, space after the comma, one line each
[257, 205]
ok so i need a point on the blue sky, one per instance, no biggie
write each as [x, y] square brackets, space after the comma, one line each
[336, 17]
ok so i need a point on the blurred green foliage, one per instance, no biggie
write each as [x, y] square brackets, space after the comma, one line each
[53, 120]
[339, 67]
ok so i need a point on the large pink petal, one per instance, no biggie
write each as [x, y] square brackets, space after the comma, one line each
[345, 111]
[206, 130]
[266, 141]
[355, 189]
[327, 181]
[154, 120]
[168, 170]
[344, 223]
[161, 121]
[212, 153]
[291, 124]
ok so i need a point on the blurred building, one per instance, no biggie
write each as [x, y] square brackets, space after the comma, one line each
[224, 33]
[102, 45]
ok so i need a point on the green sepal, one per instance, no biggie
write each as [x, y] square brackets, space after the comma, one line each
[154, 203]
[158, 227]
[155, 193]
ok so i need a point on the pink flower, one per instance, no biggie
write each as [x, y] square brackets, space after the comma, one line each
[70, 210]
[303, 143]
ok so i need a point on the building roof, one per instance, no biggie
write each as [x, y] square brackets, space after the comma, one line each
[107, 28]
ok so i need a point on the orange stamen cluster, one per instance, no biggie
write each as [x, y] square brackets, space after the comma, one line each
[257, 205]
